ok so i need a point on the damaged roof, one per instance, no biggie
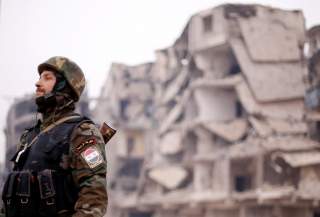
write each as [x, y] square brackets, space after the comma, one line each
[231, 131]
[274, 81]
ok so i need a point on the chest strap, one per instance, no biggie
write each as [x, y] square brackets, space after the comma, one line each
[51, 126]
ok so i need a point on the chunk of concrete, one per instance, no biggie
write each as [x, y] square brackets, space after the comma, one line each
[171, 143]
[231, 131]
[169, 177]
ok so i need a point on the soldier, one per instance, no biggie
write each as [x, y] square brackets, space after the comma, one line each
[60, 166]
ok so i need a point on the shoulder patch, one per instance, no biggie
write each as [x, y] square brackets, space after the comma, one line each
[92, 156]
[86, 143]
[85, 126]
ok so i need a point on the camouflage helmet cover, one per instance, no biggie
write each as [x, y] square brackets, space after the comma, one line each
[69, 69]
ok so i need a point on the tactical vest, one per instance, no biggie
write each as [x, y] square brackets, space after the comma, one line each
[38, 185]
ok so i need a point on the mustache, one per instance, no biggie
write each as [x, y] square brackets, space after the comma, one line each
[39, 89]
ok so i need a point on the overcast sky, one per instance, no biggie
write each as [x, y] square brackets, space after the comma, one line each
[94, 33]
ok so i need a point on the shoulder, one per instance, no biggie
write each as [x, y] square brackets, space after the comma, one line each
[85, 128]
[87, 147]
[86, 134]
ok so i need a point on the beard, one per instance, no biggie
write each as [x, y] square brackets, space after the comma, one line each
[46, 102]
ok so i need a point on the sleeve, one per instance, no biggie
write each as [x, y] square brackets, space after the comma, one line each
[88, 165]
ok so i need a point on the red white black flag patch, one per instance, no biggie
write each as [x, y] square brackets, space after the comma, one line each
[92, 156]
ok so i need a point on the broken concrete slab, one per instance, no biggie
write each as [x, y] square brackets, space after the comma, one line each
[171, 143]
[174, 114]
[269, 81]
[299, 159]
[275, 193]
[287, 126]
[171, 118]
[231, 131]
[289, 143]
[227, 82]
[176, 85]
[281, 45]
[169, 177]
[267, 126]
[293, 109]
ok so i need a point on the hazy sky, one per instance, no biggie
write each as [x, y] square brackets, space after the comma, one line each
[94, 33]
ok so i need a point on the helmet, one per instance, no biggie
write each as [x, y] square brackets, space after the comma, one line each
[70, 71]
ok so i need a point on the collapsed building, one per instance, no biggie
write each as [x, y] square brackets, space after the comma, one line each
[217, 125]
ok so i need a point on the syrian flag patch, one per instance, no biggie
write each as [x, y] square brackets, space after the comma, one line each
[92, 156]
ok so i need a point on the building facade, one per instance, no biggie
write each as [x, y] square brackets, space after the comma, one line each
[219, 124]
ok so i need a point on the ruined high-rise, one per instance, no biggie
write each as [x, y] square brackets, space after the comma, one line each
[217, 125]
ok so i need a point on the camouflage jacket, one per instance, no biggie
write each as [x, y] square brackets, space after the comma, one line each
[88, 164]
[86, 159]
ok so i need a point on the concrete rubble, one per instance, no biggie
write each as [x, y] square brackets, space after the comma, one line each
[224, 121]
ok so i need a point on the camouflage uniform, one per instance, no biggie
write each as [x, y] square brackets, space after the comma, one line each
[82, 157]
[91, 178]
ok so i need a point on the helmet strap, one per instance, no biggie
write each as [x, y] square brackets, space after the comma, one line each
[60, 83]
[63, 100]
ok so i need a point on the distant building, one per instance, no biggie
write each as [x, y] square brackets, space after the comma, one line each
[21, 115]
[216, 126]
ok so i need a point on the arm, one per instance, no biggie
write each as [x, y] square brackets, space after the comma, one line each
[88, 164]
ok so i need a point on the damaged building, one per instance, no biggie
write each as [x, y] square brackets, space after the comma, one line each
[224, 123]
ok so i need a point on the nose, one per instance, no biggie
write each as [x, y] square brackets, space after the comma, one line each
[38, 83]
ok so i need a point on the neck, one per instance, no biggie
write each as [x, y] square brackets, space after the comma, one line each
[52, 116]
[62, 108]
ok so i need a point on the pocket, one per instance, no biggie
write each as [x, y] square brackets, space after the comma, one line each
[24, 198]
[8, 195]
[48, 206]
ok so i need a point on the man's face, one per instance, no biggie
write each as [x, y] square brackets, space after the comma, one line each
[45, 83]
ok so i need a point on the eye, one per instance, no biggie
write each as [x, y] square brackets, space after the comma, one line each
[48, 77]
